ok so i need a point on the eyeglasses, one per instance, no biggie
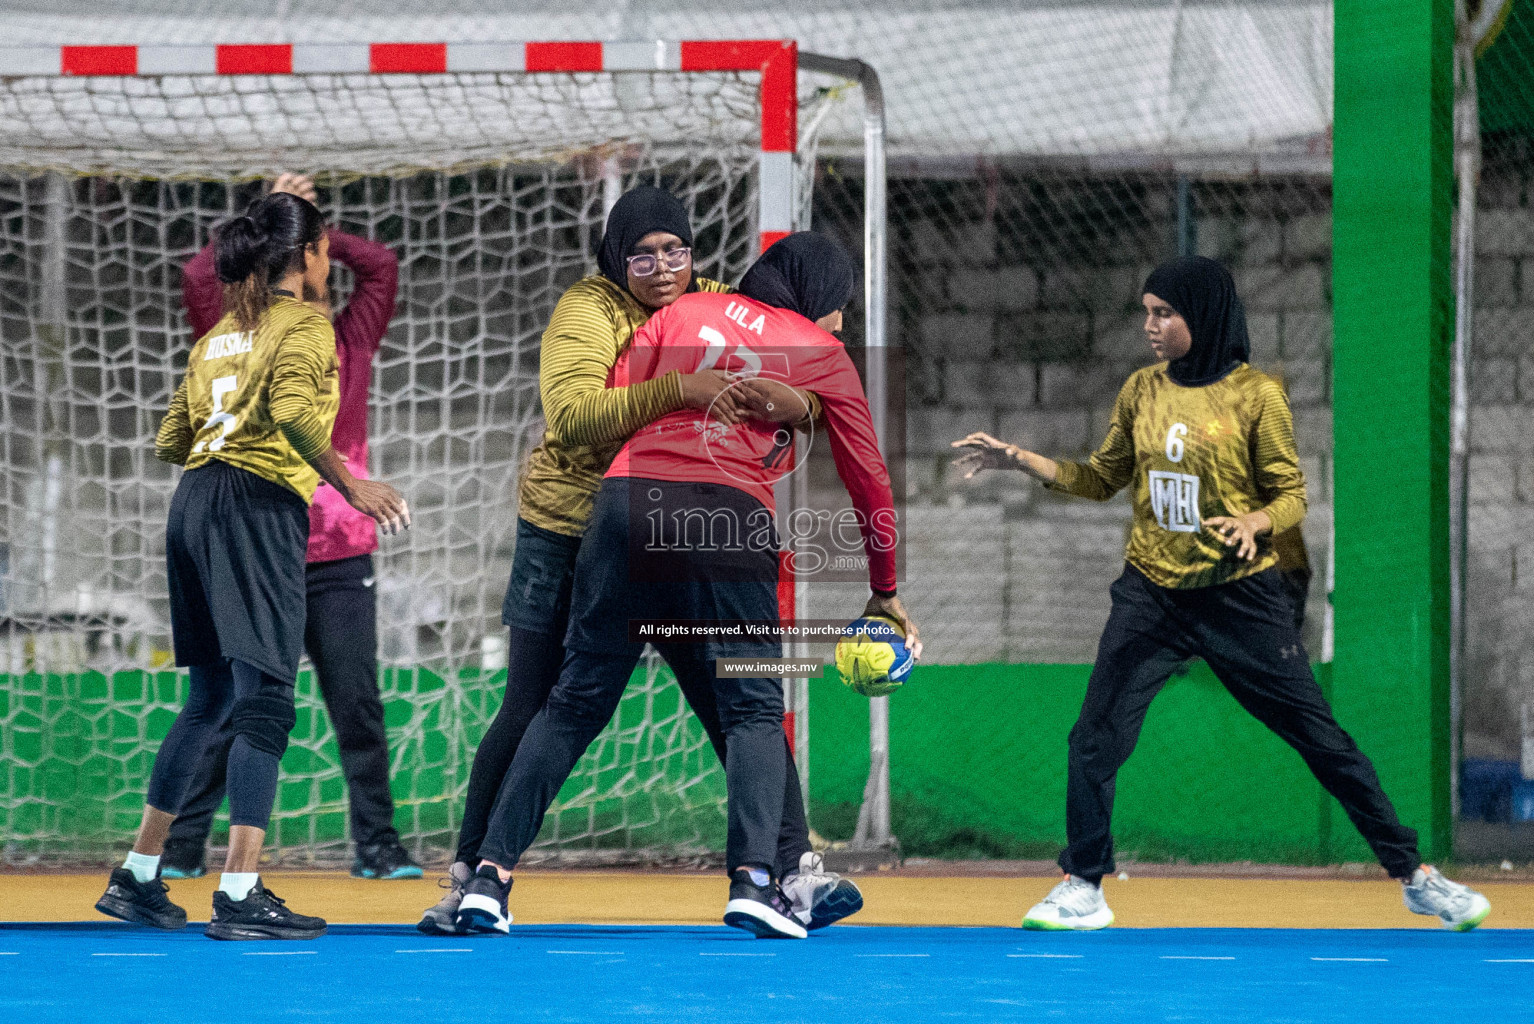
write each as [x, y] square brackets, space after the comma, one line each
[647, 263]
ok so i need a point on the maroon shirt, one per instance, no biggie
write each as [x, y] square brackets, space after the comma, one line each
[336, 530]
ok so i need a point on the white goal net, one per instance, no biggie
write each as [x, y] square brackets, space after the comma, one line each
[492, 189]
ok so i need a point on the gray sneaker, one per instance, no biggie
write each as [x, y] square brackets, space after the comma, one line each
[820, 897]
[1074, 905]
[1458, 906]
[442, 919]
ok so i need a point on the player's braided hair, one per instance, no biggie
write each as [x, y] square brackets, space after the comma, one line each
[255, 251]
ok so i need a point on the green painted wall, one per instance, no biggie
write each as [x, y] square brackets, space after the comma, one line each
[977, 757]
[977, 752]
[1393, 316]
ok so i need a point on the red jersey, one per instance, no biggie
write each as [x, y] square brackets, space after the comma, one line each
[702, 331]
[336, 530]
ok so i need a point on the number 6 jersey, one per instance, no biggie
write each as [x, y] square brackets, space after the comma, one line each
[1224, 449]
[262, 400]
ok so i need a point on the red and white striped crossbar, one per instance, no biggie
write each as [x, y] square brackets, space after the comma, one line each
[776, 60]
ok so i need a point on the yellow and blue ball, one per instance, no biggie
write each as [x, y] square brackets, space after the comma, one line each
[874, 659]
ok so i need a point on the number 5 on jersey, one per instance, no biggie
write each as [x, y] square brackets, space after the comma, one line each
[221, 387]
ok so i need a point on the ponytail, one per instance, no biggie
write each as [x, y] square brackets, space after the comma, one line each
[254, 252]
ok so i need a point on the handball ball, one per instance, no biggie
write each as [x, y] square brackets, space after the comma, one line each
[874, 659]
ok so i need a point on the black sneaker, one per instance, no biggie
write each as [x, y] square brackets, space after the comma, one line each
[128, 899]
[761, 910]
[387, 859]
[183, 860]
[483, 908]
[260, 915]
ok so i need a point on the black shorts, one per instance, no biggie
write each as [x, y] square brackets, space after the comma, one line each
[542, 573]
[234, 558]
[724, 568]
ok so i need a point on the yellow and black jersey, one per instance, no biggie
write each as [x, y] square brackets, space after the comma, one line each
[1192, 453]
[593, 323]
[262, 400]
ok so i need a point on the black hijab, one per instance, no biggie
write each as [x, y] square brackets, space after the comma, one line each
[805, 272]
[638, 212]
[1205, 294]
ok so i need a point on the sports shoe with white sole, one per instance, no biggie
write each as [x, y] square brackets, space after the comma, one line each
[820, 897]
[1459, 907]
[483, 907]
[442, 919]
[1074, 905]
[760, 909]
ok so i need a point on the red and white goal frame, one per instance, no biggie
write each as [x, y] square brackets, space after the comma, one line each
[776, 62]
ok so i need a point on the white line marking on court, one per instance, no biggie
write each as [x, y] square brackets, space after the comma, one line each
[1046, 956]
[10, 954]
[1198, 958]
[286, 952]
[584, 952]
[1524, 960]
[129, 954]
[737, 954]
[461, 949]
[1352, 959]
[895, 955]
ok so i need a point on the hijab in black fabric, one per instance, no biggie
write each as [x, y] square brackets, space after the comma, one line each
[805, 272]
[1205, 294]
[638, 212]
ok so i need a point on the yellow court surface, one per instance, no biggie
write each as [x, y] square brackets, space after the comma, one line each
[619, 897]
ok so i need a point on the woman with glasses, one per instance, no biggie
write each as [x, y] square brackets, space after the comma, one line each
[645, 263]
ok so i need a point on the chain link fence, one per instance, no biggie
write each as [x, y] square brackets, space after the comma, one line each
[1043, 157]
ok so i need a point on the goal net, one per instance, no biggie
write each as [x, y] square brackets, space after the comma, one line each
[492, 189]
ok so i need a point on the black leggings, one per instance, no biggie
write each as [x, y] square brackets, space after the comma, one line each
[266, 714]
[534, 661]
[341, 635]
[1245, 631]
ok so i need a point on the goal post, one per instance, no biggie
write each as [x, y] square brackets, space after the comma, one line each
[486, 166]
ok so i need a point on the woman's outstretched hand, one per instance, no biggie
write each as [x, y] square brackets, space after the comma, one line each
[982, 451]
[1241, 532]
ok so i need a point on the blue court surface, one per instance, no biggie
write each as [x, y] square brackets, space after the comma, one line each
[385, 973]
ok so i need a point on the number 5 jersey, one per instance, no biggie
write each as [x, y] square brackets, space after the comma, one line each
[1192, 453]
[263, 400]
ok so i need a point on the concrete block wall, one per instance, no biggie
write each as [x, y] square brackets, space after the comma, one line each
[1500, 576]
[1025, 323]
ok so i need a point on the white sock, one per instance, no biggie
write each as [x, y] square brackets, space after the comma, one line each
[143, 866]
[237, 884]
[759, 876]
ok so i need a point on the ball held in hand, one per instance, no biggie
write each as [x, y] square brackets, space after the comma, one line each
[873, 659]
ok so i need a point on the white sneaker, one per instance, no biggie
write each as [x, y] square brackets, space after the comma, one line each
[442, 918]
[820, 897]
[1458, 906]
[1073, 905]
